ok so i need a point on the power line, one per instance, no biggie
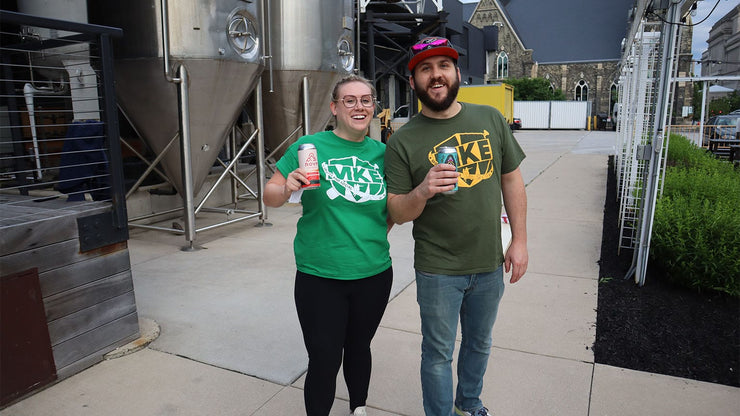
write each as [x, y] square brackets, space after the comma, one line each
[684, 24]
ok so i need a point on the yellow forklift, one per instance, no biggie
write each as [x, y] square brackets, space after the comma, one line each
[385, 125]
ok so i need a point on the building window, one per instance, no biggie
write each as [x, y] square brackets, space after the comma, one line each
[502, 65]
[613, 97]
[581, 92]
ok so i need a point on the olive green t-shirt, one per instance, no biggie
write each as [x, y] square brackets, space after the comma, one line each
[342, 233]
[458, 233]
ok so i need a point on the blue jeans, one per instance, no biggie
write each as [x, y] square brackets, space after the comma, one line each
[442, 300]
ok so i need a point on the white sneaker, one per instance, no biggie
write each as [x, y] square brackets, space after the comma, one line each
[359, 411]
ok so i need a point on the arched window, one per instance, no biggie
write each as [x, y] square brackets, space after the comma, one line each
[581, 92]
[502, 65]
[613, 97]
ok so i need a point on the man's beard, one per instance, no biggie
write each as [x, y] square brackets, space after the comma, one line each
[443, 105]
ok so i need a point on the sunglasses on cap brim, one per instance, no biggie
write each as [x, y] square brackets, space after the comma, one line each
[424, 45]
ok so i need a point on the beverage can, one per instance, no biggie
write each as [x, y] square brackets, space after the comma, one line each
[309, 161]
[447, 154]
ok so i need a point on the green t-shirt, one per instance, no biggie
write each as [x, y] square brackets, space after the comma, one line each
[342, 233]
[458, 233]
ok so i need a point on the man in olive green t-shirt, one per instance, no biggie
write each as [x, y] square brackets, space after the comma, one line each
[458, 254]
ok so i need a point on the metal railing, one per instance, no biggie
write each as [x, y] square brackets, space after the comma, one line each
[59, 133]
[716, 139]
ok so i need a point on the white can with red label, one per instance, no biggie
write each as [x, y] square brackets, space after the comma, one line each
[308, 160]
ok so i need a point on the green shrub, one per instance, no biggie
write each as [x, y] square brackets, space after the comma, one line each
[682, 152]
[696, 231]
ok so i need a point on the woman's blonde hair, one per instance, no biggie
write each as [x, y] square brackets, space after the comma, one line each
[347, 80]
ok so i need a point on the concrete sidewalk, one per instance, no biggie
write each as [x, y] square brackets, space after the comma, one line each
[230, 343]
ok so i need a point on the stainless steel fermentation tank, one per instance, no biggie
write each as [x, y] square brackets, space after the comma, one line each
[217, 42]
[304, 45]
[223, 45]
[214, 53]
[311, 45]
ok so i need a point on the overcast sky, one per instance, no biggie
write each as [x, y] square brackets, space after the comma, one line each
[701, 31]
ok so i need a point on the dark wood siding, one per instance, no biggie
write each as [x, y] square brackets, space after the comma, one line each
[88, 297]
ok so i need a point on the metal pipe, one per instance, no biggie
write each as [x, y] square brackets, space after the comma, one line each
[306, 108]
[152, 215]
[154, 227]
[235, 179]
[360, 8]
[151, 166]
[223, 175]
[232, 152]
[185, 153]
[28, 91]
[229, 211]
[703, 109]
[261, 163]
[139, 155]
[166, 43]
[221, 224]
[284, 142]
[266, 9]
[234, 176]
[370, 73]
[260, 149]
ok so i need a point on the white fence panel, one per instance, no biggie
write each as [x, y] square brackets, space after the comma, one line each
[533, 114]
[552, 114]
[569, 114]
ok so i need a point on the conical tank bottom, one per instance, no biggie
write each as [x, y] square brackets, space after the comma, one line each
[283, 108]
[217, 90]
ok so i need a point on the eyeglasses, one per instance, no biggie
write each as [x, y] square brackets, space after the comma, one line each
[350, 101]
[428, 43]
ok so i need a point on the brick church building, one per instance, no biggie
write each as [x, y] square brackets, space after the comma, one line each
[576, 45]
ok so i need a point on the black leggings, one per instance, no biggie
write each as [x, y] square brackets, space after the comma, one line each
[339, 316]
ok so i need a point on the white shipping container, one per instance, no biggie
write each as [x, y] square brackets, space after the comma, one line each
[552, 114]
[533, 114]
[569, 114]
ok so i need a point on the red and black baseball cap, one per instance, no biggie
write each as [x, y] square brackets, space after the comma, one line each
[431, 46]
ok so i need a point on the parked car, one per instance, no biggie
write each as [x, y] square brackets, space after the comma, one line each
[516, 124]
[603, 121]
[402, 111]
[722, 127]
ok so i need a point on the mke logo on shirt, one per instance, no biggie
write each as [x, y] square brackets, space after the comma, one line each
[475, 155]
[355, 179]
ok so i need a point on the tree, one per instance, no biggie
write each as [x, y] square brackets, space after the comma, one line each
[534, 89]
[722, 105]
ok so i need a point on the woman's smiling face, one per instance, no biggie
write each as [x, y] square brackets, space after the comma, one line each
[356, 119]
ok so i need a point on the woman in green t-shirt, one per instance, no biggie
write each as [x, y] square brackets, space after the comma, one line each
[341, 247]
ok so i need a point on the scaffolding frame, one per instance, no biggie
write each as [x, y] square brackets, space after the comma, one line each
[645, 90]
[389, 31]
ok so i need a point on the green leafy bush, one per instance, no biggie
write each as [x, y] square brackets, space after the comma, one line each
[696, 231]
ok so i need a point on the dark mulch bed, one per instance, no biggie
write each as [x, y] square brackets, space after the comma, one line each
[659, 327]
